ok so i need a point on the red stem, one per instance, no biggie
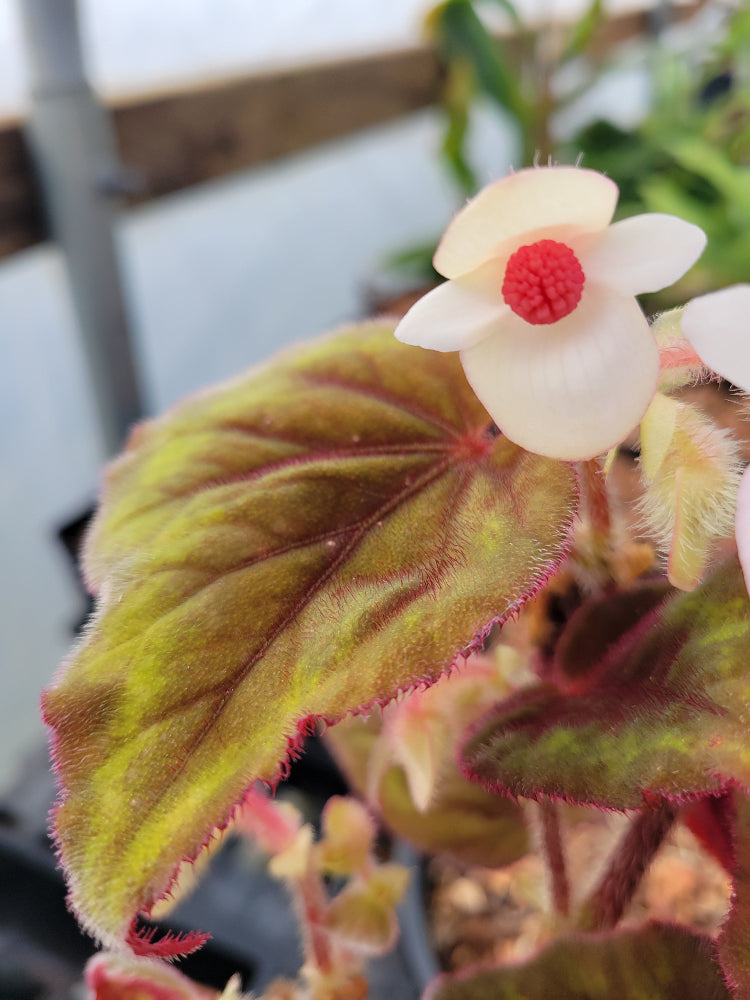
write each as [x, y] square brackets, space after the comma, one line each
[313, 899]
[555, 856]
[631, 858]
[594, 498]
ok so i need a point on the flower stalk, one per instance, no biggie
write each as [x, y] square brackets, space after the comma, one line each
[632, 856]
[554, 852]
[595, 503]
[313, 905]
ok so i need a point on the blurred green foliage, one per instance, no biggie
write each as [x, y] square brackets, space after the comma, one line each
[690, 155]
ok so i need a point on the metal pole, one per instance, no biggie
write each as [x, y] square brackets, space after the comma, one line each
[74, 153]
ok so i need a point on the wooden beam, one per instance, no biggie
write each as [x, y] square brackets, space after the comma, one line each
[181, 139]
[174, 140]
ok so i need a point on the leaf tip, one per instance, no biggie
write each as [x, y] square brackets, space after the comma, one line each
[142, 941]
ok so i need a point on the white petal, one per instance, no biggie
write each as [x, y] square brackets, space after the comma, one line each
[571, 389]
[524, 202]
[742, 525]
[643, 254]
[455, 315]
[718, 327]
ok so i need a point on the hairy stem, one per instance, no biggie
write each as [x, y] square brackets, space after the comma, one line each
[555, 855]
[595, 500]
[312, 897]
[631, 858]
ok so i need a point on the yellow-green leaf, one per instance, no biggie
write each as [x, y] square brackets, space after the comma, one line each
[655, 962]
[663, 714]
[295, 544]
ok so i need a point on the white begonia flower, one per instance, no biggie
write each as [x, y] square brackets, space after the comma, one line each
[540, 303]
[717, 327]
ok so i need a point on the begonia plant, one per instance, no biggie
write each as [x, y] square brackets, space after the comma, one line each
[423, 543]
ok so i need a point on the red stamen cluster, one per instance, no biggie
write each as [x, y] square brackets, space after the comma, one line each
[543, 282]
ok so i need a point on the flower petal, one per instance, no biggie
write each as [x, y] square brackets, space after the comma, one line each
[718, 327]
[571, 389]
[455, 315]
[742, 525]
[526, 201]
[644, 253]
